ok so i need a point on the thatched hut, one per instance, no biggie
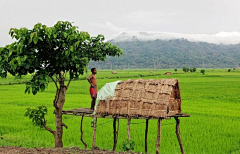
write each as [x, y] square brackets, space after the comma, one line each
[168, 73]
[134, 99]
[148, 98]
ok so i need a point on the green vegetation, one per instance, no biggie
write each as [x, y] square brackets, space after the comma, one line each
[51, 53]
[161, 54]
[128, 145]
[203, 71]
[37, 115]
[212, 100]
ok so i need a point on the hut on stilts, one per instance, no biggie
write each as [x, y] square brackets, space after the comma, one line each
[138, 99]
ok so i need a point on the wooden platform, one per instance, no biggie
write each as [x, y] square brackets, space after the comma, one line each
[87, 112]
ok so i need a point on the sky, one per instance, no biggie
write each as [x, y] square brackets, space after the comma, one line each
[111, 17]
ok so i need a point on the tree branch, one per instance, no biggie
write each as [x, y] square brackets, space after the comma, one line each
[56, 98]
[61, 80]
[47, 128]
[68, 84]
[57, 77]
[64, 125]
[54, 82]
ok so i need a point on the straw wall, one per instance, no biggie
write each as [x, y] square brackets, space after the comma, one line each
[151, 98]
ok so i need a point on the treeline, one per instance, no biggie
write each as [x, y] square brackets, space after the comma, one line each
[177, 53]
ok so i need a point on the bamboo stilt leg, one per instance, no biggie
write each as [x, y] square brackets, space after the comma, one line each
[178, 134]
[128, 128]
[146, 133]
[94, 133]
[158, 137]
[85, 145]
[114, 134]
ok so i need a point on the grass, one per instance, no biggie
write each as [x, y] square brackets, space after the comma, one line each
[212, 100]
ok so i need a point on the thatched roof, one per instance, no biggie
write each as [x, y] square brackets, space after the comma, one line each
[151, 98]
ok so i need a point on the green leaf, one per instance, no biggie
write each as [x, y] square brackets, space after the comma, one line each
[10, 53]
[65, 35]
[27, 66]
[35, 39]
[40, 38]
[71, 48]
[31, 35]
[42, 87]
[18, 60]
[67, 52]
[77, 44]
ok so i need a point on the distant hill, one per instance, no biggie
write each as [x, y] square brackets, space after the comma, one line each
[173, 53]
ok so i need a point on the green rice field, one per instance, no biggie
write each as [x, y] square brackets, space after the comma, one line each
[212, 100]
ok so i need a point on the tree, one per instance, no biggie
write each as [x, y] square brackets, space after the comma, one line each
[175, 69]
[202, 71]
[185, 69]
[52, 53]
[194, 69]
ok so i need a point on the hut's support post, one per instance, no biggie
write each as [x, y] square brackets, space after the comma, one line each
[178, 134]
[158, 137]
[128, 128]
[115, 133]
[85, 145]
[94, 133]
[146, 133]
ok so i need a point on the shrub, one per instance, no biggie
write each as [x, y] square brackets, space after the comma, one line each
[185, 69]
[128, 145]
[202, 71]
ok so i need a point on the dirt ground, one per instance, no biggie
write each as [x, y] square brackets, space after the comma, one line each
[74, 150]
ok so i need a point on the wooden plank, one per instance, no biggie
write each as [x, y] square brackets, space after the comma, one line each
[89, 113]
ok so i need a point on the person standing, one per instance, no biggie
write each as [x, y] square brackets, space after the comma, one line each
[93, 87]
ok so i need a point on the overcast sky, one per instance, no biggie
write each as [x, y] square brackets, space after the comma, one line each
[109, 17]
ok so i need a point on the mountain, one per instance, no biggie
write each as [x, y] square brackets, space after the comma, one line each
[219, 38]
[170, 53]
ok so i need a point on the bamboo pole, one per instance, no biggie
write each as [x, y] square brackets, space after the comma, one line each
[146, 133]
[114, 134]
[85, 145]
[94, 133]
[158, 137]
[178, 134]
[128, 128]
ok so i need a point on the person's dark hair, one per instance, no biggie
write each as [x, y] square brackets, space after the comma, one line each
[92, 69]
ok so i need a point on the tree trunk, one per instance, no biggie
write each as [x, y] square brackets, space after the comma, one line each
[58, 115]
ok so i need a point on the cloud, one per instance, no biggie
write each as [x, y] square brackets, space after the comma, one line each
[109, 26]
[149, 17]
[219, 38]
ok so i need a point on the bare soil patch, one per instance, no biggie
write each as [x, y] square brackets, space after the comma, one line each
[74, 150]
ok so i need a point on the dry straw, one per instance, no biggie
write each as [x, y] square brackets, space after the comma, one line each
[148, 98]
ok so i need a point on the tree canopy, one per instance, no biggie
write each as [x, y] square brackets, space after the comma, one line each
[47, 51]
